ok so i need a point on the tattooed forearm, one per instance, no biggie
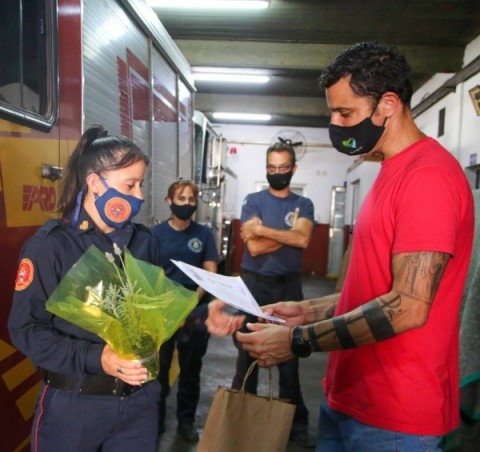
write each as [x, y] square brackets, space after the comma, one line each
[322, 308]
[340, 326]
[370, 323]
[416, 280]
[378, 321]
[419, 274]
[313, 338]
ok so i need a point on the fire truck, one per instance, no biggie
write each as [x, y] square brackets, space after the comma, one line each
[65, 65]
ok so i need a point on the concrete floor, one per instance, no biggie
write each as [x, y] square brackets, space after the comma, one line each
[218, 369]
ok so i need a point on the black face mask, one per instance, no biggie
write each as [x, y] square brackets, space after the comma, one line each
[279, 181]
[358, 139]
[183, 211]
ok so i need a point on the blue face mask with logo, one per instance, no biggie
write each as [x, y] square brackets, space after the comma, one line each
[115, 208]
[358, 139]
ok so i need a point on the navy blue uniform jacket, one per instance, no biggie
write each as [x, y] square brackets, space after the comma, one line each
[51, 342]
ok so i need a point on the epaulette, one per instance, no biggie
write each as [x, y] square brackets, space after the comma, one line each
[51, 225]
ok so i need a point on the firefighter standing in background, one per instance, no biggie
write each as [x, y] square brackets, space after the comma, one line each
[277, 225]
[183, 239]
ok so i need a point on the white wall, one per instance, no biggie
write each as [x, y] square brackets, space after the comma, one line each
[461, 121]
[322, 167]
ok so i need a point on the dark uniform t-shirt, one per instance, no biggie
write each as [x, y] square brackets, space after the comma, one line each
[276, 213]
[194, 245]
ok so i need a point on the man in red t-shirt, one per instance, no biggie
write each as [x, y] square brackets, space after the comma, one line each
[392, 377]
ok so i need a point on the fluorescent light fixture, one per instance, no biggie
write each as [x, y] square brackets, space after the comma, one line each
[242, 116]
[209, 4]
[230, 78]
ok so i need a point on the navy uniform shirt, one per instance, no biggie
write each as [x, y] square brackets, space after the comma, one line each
[194, 245]
[53, 343]
[276, 213]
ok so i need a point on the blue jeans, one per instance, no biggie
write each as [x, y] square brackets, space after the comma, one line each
[340, 433]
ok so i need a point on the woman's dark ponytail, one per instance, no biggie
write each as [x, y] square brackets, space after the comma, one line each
[74, 174]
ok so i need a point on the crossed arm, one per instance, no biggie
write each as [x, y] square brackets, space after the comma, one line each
[406, 306]
[262, 239]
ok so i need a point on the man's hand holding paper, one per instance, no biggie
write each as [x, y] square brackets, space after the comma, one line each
[230, 289]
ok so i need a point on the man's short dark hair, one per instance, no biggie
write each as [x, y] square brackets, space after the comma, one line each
[285, 146]
[375, 68]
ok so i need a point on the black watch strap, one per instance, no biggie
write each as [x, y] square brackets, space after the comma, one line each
[300, 347]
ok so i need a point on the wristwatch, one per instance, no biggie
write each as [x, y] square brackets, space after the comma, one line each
[300, 347]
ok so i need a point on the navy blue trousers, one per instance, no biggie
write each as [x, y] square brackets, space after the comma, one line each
[71, 422]
[191, 346]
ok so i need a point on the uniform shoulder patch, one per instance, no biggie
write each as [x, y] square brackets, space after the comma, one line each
[24, 274]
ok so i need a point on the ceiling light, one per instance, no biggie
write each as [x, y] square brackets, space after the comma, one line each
[242, 116]
[230, 78]
[209, 4]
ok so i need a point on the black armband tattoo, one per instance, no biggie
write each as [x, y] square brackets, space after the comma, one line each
[343, 333]
[313, 339]
[378, 322]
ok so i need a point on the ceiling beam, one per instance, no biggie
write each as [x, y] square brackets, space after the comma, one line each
[273, 55]
[297, 111]
[240, 103]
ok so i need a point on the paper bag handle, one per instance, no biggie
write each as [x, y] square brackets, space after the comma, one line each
[250, 370]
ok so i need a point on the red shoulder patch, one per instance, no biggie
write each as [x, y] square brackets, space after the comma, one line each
[24, 274]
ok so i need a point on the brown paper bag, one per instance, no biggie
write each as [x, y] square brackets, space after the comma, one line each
[243, 422]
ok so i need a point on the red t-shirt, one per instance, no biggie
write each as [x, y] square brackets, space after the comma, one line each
[420, 201]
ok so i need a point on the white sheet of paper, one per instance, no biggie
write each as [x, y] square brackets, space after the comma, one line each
[230, 289]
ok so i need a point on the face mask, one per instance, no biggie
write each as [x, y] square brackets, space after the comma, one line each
[183, 211]
[279, 181]
[115, 208]
[358, 139]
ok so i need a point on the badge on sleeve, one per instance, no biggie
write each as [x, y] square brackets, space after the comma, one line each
[24, 274]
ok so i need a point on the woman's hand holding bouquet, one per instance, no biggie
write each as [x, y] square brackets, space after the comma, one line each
[134, 307]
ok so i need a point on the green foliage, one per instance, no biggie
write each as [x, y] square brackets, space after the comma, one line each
[134, 308]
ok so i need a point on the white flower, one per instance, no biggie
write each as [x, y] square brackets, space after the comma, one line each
[116, 249]
[110, 258]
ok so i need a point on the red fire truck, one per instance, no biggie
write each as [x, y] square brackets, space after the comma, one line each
[65, 65]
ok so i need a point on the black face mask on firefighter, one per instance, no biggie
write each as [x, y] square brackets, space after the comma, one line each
[183, 211]
[279, 181]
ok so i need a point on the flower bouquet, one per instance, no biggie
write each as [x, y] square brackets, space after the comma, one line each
[134, 309]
